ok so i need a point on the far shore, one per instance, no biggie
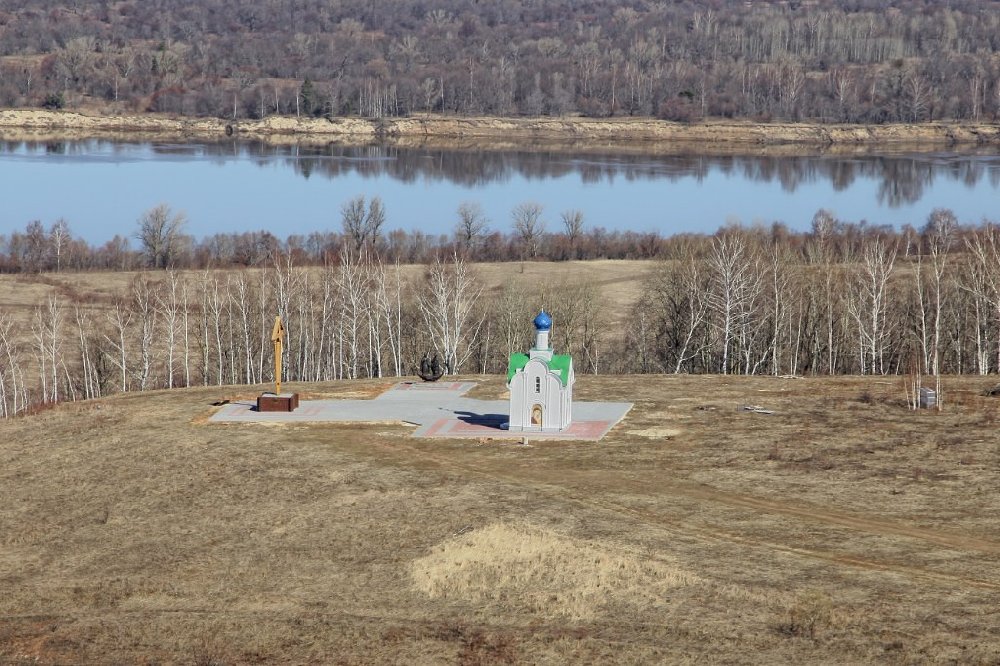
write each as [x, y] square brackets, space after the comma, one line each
[642, 135]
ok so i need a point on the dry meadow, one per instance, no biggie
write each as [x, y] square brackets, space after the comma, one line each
[841, 528]
[618, 282]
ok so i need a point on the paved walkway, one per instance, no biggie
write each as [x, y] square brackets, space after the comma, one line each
[439, 409]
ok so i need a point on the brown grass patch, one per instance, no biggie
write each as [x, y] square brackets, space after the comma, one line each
[539, 571]
[656, 433]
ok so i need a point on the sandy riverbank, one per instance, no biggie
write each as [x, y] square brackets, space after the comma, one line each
[640, 134]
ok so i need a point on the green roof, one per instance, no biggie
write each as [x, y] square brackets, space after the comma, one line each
[517, 362]
[560, 362]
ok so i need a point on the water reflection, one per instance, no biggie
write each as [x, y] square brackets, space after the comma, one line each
[901, 179]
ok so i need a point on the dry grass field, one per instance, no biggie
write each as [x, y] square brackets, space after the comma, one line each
[842, 528]
[618, 282]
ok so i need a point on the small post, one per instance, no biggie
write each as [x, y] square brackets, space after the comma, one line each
[277, 334]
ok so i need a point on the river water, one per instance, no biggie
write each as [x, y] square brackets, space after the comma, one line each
[102, 187]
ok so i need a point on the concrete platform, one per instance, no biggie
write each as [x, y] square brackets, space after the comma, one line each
[439, 409]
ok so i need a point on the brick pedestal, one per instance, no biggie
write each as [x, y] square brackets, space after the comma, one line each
[286, 402]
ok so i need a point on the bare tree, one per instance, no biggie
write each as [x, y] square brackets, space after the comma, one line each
[677, 305]
[363, 221]
[823, 228]
[753, 312]
[734, 292]
[528, 226]
[779, 259]
[144, 299]
[90, 379]
[47, 329]
[579, 310]
[868, 304]
[982, 279]
[353, 287]
[59, 238]
[214, 311]
[446, 304]
[510, 312]
[242, 297]
[36, 243]
[120, 319]
[472, 225]
[186, 330]
[389, 310]
[160, 235]
[572, 221]
[169, 306]
[572, 224]
[941, 228]
[13, 396]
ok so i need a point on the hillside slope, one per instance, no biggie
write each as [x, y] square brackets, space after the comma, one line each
[840, 528]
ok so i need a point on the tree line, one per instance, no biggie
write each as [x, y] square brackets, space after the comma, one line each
[355, 317]
[834, 300]
[839, 61]
[161, 240]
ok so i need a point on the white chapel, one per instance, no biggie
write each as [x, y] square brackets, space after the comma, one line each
[541, 385]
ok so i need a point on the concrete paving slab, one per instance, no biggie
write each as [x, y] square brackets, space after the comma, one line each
[438, 409]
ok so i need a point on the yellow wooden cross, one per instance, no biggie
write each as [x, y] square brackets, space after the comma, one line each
[277, 334]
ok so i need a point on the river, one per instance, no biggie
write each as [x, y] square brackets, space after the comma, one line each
[101, 187]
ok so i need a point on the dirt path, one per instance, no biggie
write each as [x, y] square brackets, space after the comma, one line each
[592, 489]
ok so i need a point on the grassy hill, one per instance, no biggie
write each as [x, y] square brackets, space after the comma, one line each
[841, 528]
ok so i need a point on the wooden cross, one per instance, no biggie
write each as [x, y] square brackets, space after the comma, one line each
[277, 334]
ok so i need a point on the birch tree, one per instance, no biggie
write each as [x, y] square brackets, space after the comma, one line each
[868, 304]
[59, 238]
[243, 297]
[90, 379]
[941, 227]
[48, 335]
[731, 289]
[13, 396]
[823, 227]
[352, 287]
[983, 281]
[170, 306]
[144, 299]
[388, 293]
[781, 294]
[446, 305]
[119, 317]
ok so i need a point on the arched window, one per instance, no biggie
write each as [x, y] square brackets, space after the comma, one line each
[538, 384]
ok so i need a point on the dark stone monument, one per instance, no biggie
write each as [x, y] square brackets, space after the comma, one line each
[431, 370]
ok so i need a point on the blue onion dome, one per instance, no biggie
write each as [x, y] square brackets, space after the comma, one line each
[543, 322]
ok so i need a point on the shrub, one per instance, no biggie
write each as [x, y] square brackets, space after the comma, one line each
[54, 101]
[811, 613]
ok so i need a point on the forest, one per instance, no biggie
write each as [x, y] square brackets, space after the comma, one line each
[838, 299]
[860, 61]
[368, 301]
